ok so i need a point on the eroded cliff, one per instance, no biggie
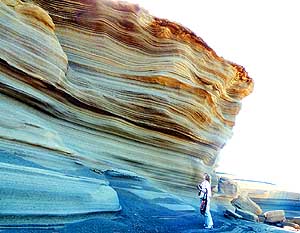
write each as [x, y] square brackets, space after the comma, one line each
[107, 85]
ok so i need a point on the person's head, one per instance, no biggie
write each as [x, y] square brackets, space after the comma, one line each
[206, 177]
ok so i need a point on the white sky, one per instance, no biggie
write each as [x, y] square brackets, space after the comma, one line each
[264, 37]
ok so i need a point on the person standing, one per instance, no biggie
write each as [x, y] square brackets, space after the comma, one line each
[205, 188]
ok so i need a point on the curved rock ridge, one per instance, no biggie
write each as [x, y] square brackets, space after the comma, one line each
[33, 191]
[39, 182]
[111, 86]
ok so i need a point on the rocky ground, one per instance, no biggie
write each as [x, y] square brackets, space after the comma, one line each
[145, 208]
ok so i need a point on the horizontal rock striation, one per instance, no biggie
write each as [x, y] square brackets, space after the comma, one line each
[33, 191]
[110, 86]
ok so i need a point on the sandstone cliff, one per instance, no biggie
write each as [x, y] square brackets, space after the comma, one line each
[108, 86]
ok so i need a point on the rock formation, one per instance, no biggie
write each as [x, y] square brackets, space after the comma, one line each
[228, 187]
[245, 203]
[106, 85]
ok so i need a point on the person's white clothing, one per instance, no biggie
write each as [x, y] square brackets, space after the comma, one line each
[205, 185]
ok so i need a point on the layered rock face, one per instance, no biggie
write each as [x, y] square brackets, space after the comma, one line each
[108, 86]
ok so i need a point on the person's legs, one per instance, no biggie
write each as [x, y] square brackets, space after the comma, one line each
[205, 219]
[208, 219]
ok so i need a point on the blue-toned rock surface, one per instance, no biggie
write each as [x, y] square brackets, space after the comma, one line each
[108, 115]
[51, 185]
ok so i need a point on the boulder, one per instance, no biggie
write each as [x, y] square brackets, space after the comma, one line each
[274, 216]
[245, 203]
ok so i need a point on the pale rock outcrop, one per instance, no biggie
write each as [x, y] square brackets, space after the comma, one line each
[244, 202]
[274, 216]
[227, 187]
[110, 86]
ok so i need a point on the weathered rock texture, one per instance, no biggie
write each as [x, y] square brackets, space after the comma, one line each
[274, 216]
[245, 203]
[107, 85]
[227, 187]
